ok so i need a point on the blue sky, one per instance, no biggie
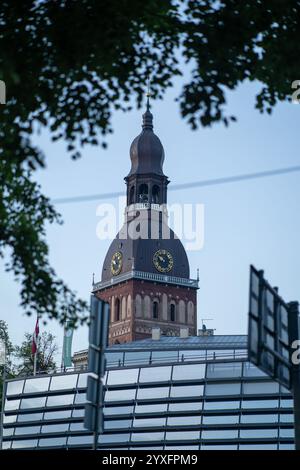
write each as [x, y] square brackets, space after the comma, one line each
[255, 221]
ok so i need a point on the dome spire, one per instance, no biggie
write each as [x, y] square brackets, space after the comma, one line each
[147, 116]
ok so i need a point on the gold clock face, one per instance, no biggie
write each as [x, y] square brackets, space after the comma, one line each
[163, 261]
[116, 263]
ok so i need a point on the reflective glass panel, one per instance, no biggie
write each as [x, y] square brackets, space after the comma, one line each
[220, 354]
[117, 424]
[223, 389]
[219, 447]
[221, 405]
[37, 385]
[215, 434]
[258, 433]
[78, 413]
[77, 427]
[24, 444]
[187, 391]
[155, 392]
[53, 442]
[36, 402]
[283, 315]
[258, 447]
[57, 414]
[286, 446]
[15, 387]
[138, 357]
[147, 436]
[284, 390]
[118, 410]
[11, 405]
[189, 372]
[286, 418]
[60, 400]
[259, 418]
[189, 406]
[221, 419]
[30, 417]
[125, 376]
[107, 438]
[27, 430]
[120, 395]
[225, 369]
[247, 404]
[10, 418]
[55, 427]
[184, 421]
[114, 359]
[6, 445]
[254, 283]
[149, 422]
[284, 432]
[283, 332]
[155, 374]
[286, 403]
[182, 435]
[155, 408]
[164, 356]
[192, 355]
[62, 382]
[182, 448]
[140, 448]
[82, 380]
[254, 305]
[80, 398]
[250, 370]
[260, 388]
[77, 440]
[8, 431]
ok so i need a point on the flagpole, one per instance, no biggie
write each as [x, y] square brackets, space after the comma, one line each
[34, 363]
[34, 346]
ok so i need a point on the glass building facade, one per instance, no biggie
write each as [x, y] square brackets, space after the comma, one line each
[172, 393]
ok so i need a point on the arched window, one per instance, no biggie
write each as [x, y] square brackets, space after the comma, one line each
[143, 193]
[172, 312]
[117, 310]
[155, 310]
[155, 194]
[190, 312]
[131, 195]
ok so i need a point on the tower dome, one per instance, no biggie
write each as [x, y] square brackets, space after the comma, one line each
[146, 151]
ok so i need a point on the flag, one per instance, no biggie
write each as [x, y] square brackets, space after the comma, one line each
[67, 345]
[35, 338]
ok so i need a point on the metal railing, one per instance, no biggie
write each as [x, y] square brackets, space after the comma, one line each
[161, 278]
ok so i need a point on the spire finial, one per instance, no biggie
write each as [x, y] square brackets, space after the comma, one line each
[148, 94]
[93, 281]
[147, 116]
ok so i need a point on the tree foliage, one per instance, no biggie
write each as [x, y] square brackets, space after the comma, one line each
[68, 65]
[4, 336]
[46, 350]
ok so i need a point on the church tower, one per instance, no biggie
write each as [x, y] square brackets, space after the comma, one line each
[145, 275]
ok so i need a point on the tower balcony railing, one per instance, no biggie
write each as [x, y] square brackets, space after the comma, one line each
[146, 206]
[161, 278]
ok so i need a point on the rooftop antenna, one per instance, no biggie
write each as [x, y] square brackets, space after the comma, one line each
[93, 281]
